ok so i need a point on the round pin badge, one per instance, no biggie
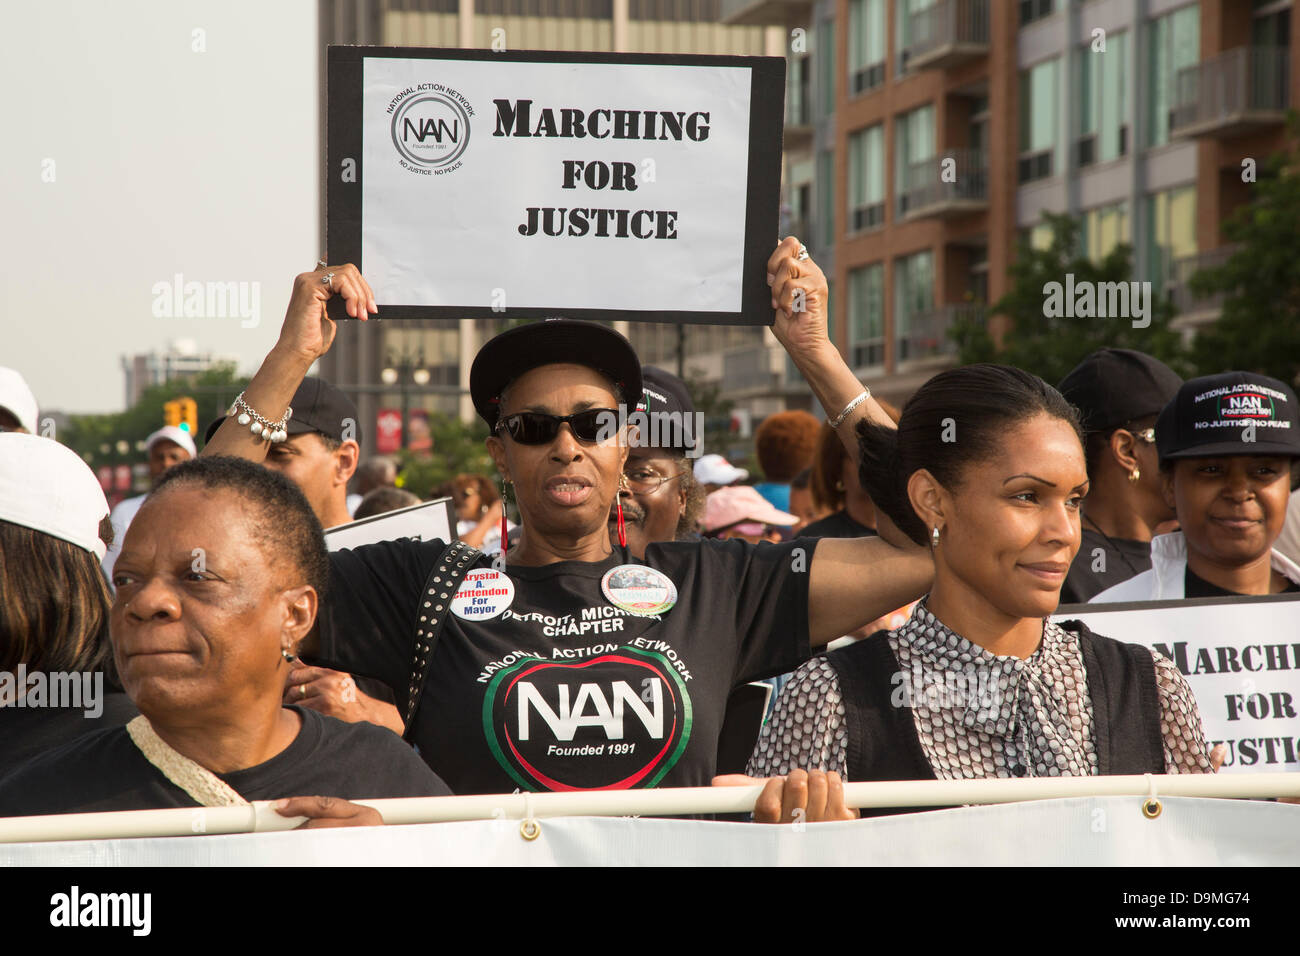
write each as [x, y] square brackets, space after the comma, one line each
[638, 589]
[483, 595]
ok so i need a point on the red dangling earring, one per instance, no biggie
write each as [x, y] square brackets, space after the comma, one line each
[505, 544]
[622, 532]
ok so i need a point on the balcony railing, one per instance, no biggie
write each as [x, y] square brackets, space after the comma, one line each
[1181, 272]
[754, 13]
[952, 183]
[927, 334]
[946, 34]
[1231, 93]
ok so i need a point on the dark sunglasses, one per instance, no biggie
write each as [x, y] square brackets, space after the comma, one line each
[536, 428]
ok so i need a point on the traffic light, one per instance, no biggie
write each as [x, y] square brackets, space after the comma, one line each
[189, 414]
[182, 413]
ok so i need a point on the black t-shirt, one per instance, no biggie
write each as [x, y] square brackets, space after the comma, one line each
[26, 732]
[562, 689]
[106, 771]
[1195, 586]
[1120, 560]
[838, 525]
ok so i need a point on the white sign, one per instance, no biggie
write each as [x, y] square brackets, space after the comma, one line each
[427, 521]
[1242, 660]
[524, 183]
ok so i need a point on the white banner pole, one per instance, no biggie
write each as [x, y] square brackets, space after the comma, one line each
[663, 802]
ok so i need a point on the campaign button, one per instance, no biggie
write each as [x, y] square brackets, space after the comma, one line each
[638, 589]
[483, 595]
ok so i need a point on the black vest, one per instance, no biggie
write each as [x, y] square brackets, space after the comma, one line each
[883, 743]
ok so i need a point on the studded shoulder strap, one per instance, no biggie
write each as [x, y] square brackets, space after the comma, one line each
[435, 605]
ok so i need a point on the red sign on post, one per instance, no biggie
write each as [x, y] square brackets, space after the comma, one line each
[388, 431]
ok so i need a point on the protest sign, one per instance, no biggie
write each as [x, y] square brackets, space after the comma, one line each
[471, 183]
[427, 521]
[1241, 657]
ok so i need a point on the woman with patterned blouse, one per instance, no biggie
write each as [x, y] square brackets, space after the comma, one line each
[987, 467]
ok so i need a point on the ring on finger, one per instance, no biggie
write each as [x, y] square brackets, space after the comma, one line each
[321, 263]
[329, 280]
[302, 691]
[803, 253]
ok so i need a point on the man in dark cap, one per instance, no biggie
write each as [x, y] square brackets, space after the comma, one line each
[1119, 393]
[321, 451]
[661, 499]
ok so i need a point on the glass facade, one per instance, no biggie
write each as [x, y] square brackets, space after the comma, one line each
[1171, 231]
[824, 54]
[913, 143]
[1103, 229]
[1040, 122]
[867, 316]
[826, 198]
[867, 37]
[1173, 42]
[913, 295]
[1103, 91]
[867, 178]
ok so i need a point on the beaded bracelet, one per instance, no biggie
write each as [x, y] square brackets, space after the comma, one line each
[262, 427]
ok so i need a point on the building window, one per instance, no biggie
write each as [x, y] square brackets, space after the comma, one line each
[798, 99]
[1103, 102]
[903, 10]
[825, 184]
[1173, 42]
[1103, 229]
[1171, 232]
[913, 145]
[867, 316]
[866, 45]
[1031, 10]
[913, 304]
[1040, 112]
[867, 179]
[824, 52]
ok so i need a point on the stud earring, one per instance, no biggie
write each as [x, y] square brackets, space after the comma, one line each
[1134, 475]
[288, 655]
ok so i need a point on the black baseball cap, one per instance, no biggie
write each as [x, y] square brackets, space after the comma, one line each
[317, 406]
[665, 393]
[1233, 413]
[549, 342]
[1114, 386]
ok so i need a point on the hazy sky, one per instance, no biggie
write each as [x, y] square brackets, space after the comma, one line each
[165, 161]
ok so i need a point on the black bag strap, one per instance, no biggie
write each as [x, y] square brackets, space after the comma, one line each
[435, 604]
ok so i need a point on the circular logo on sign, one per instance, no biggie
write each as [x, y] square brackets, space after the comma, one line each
[618, 720]
[483, 595]
[639, 590]
[430, 130]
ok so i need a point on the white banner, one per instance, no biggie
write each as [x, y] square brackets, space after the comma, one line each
[1241, 658]
[1100, 831]
[427, 521]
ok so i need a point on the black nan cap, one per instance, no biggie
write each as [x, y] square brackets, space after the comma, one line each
[665, 393]
[551, 342]
[1233, 413]
[317, 406]
[1114, 386]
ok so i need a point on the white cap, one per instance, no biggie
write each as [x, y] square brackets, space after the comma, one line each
[716, 470]
[18, 398]
[45, 486]
[171, 433]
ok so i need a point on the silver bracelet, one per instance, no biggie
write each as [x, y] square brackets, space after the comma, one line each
[259, 426]
[862, 397]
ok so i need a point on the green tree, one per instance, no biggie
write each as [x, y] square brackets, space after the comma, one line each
[1259, 328]
[89, 435]
[457, 447]
[1050, 344]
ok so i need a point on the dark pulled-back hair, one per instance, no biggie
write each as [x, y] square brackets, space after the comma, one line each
[283, 520]
[972, 407]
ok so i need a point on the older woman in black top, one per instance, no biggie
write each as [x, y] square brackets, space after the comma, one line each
[987, 467]
[573, 663]
[218, 580]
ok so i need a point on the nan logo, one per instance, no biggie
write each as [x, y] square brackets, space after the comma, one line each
[430, 128]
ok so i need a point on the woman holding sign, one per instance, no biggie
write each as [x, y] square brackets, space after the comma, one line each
[572, 663]
[987, 468]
